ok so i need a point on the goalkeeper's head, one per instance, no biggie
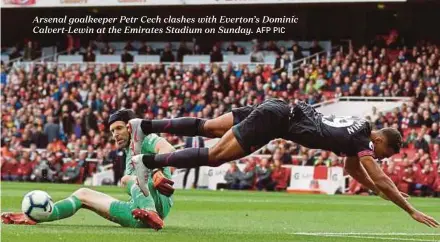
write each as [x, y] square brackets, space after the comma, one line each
[118, 126]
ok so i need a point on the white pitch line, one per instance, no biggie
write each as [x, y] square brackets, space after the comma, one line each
[373, 234]
[350, 235]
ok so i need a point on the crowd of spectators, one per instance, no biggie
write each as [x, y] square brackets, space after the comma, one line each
[262, 174]
[64, 109]
[30, 50]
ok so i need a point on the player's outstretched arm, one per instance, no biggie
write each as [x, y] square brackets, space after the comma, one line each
[357, 171]
[386, 185]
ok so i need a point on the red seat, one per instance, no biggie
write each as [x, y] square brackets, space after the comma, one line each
[403, 187]
[328, 94]
[406, 132]
[410, 152]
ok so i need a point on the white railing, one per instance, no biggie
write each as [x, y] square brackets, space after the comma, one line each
[361, 98]
[178, 65]
[40, 59]
[291, 66]
[373, 99]
[294, 65]
[49, 57]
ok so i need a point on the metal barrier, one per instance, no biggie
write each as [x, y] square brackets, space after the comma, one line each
[207, 65]
[361, 98]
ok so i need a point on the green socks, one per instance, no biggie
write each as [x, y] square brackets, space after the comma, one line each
[139, 198]
[64, 208]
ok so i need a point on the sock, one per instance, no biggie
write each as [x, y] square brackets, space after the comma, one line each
[177, 126]
[139, 198]
[186, 158]
[64, 208]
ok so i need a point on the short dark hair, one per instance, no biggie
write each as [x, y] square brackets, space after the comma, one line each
[394, 138]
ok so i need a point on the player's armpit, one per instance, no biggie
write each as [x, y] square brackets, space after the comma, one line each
[355, 170]
[163, 147]
[384, 183]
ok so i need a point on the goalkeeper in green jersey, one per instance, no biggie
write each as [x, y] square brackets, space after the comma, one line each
[145, 209]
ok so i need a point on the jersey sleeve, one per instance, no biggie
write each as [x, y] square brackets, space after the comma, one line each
[362, 145]
[149, 143]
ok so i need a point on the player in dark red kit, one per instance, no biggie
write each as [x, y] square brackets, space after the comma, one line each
[246, 129]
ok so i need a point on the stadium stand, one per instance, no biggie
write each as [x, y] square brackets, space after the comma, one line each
[54, 113]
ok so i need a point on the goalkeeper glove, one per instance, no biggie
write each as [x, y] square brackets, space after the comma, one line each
[163, 184]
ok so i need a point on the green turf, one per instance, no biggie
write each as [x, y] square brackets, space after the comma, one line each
[232, 216]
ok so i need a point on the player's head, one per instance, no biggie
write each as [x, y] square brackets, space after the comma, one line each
[387, 142]
[118, 126]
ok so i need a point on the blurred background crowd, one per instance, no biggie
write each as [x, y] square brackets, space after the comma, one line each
[54, 117]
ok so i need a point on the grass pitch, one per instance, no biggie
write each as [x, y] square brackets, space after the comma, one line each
[214, 216]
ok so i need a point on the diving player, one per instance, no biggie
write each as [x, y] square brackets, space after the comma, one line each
[246, 129]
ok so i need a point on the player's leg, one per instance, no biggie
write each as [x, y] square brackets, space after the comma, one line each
[196, 177]
[140, 207]
[16, 218]
[82, 198]
[105, 206]
[212, 128]
[227, 149]
[266, 122]
[140, 200]
[185, 177]
[189, 126]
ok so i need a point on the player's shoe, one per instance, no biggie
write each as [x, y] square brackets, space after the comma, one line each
[149, 217]
[16, 218]
[142, 173]
[137, 135]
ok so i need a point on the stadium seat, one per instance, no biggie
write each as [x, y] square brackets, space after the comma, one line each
[147, 58]
[108, 58]
[237, 58]
[5, 58]
[188, 59]
[70, 58]
[305, 53]
[270, 59]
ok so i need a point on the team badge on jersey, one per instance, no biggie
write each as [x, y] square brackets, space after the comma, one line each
[371, 145]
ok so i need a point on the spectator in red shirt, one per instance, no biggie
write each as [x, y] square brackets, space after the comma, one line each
[435, 153]
[436, 185]
[56, 146]
[10, 169]
[422, 180]
[5, 151]
[280, 176]
[392, 172]
[7, 166]
[355, 187]
[24, 167]
[429, 175]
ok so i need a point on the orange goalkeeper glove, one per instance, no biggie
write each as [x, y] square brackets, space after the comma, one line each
[163, 184]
